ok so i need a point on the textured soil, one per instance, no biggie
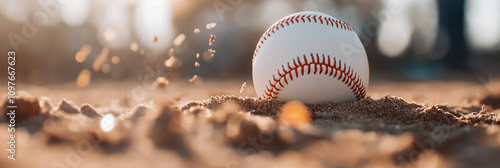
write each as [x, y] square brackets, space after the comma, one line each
[211, 124]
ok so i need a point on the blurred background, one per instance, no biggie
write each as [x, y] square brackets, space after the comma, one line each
[60, 41]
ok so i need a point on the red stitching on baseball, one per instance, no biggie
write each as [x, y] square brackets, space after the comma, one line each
[346, 74]
[276, 27]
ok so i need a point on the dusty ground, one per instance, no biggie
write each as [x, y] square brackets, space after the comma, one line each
[431, 124]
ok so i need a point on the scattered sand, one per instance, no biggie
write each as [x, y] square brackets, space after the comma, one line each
[211, 40]
[160, 83]
[89, 111]
[170, 61]
[27, 106]
[67, 107]
[193, 78]
[230, 131]
[212, 51]
[388, 110]
[211, 25]
[243, 87]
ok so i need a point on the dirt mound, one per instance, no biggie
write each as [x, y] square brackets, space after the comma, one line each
[230, 131]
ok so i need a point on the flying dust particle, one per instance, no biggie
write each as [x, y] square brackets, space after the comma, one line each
[210, 25]
[196, 30]
[155, 39]
[193, 78]
[106, 68]
[197, 55]
[134, 47]
[294, 113]
[83, 79]
[170, 61]
[179, 39]
[212, 40]
[101, 59]
[115, 59]
[196, 64]
[212, 51]
[160, 83]
[243, 87]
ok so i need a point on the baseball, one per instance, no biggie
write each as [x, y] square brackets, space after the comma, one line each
[310, 57]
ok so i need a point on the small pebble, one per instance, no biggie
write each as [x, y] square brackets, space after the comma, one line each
[211, 25]
[212, 40]
[193, 78]
[243, 87]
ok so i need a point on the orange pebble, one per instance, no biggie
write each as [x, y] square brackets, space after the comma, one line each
[294, 113]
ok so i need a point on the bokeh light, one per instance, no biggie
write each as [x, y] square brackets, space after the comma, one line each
[113, 25]
[17, 11]
[139, 33]
[395, 29]
[107, 122]
[75, 13]
[83, 79]
[483, 24]
[154, 18]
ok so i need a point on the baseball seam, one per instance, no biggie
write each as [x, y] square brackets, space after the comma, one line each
[319, 64]
[329, 21]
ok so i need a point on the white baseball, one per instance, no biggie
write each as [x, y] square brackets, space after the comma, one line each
[310, 57]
